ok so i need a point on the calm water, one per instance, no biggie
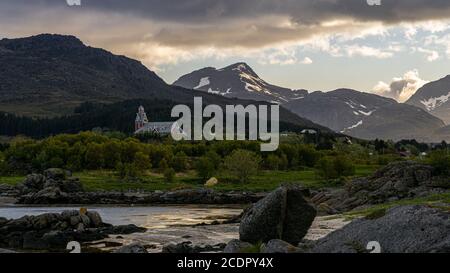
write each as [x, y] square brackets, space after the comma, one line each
[149, 217]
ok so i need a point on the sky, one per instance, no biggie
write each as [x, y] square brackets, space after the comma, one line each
[390, 49]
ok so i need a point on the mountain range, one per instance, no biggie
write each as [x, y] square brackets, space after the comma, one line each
[49, 76]
[347, 111]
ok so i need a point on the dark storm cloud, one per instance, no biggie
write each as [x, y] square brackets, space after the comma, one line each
[302, 11]
[130, 26]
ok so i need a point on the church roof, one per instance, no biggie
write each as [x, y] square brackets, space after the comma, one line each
[156, 127]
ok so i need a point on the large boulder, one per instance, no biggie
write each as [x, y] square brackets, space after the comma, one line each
[96, 219]
[407, 229]
[283, 214]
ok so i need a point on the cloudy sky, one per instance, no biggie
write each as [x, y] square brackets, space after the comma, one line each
[391, 49]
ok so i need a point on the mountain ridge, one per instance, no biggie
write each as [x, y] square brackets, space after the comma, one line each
[237, 80]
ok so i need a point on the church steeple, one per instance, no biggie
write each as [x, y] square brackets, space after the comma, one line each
[141, 118]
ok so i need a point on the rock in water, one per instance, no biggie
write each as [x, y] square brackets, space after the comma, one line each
[95, 218]
[283, 214]
[407, 229]
[132, 249]
[278, 246]
[6, 251]
[236, 246]
[184, 247]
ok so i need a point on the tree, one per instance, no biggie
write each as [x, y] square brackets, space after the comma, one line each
[127, 170]
[163, 165]
[335, 167]
[94, 156]
[325, 168]
[308, 156]
[179, 162]
[242, 164]
[343, 166]
[215, 159]
[205, 168]
[142, 162]
[272, 162]
[169, 175]
[440, 160]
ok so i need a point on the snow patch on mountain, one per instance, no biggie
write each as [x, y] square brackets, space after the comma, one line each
[351, 104]
[216, 92]
[366, 113]
[353, 126]
[203, 82]
[433, 103]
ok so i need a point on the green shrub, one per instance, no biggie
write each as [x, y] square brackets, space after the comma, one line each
[169, 175]
[272, 162]
[335, 167]
[205, 168]
[179, 162]
[142, 162]
[127, 170]
[242, 164]
[440, 160]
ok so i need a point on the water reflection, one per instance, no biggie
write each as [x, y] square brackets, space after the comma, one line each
[149, 217]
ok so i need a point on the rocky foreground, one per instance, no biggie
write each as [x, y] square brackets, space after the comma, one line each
[281, 229]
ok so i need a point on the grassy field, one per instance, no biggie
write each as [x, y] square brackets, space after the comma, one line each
[264, 181]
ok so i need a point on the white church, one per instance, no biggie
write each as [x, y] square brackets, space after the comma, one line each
[142, 125]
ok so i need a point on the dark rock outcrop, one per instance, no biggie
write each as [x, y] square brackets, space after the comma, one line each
[188, 247]
[278, 246]
[52, 231]
[407, 229]
[394, 182]
[8, 191]
[132, 249]
[188, 196]
[237, 246]
[51, 187]
[283, 214]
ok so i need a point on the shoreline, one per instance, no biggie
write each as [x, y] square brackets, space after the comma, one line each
[187, 196]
